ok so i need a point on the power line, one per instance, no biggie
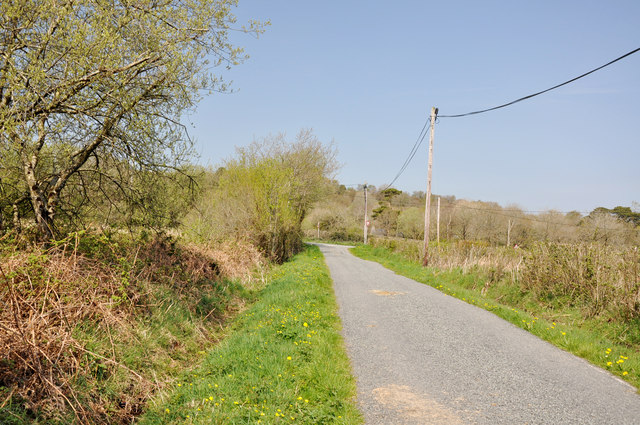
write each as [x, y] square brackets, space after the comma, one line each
[543, 91]
[516, 217]
[412, 153]
[500, 210]
[529, 218]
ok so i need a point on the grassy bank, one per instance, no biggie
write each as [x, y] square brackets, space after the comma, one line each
[599, 339]
[94, 325]
[283, 363]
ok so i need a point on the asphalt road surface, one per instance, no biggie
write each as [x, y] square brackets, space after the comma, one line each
[421, 357]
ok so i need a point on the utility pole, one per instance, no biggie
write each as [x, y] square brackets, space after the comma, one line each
[438, 222]
[427, 212]
[509, 233]
[365, 213]
[318, 230]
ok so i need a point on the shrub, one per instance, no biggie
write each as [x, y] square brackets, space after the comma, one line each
[594, 277]
[91, 326]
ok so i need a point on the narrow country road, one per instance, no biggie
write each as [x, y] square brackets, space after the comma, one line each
[421, 357]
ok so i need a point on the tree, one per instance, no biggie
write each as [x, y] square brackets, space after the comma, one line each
[627, 214]
[86, 84]
[385, 214]
[264, 194]
[602, 226]
[411, 223]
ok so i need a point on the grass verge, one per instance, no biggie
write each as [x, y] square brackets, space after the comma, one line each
[284, 362]
[565, 328]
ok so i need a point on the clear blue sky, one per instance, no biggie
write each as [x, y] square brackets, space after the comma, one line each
[366, 73]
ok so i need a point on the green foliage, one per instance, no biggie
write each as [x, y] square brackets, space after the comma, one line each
[91, 95]
[411, 223]
[389, 193]
[264, 194]
[623, 213]
[284, 363]
[379, 210]
[385, 214]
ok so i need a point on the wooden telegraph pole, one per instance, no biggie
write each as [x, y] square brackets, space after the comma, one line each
[427, 212]
[365, 214]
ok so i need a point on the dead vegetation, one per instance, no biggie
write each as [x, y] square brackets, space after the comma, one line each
[52, 299]
[597, 278]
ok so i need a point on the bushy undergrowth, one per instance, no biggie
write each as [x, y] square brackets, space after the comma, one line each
[95, 323]
[595, 278]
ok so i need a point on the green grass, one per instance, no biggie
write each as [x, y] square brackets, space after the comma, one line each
[283, 363]
[595, 339]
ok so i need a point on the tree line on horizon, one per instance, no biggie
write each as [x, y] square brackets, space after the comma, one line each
[394, 213]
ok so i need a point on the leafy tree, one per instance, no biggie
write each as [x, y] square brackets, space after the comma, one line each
[264, 194]
[91, 87]
[626, 214]
[385, 214]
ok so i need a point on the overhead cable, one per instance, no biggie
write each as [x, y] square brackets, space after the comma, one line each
[412, 153]
[543, 91]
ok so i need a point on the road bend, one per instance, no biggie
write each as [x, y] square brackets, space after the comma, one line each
[422, 357]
